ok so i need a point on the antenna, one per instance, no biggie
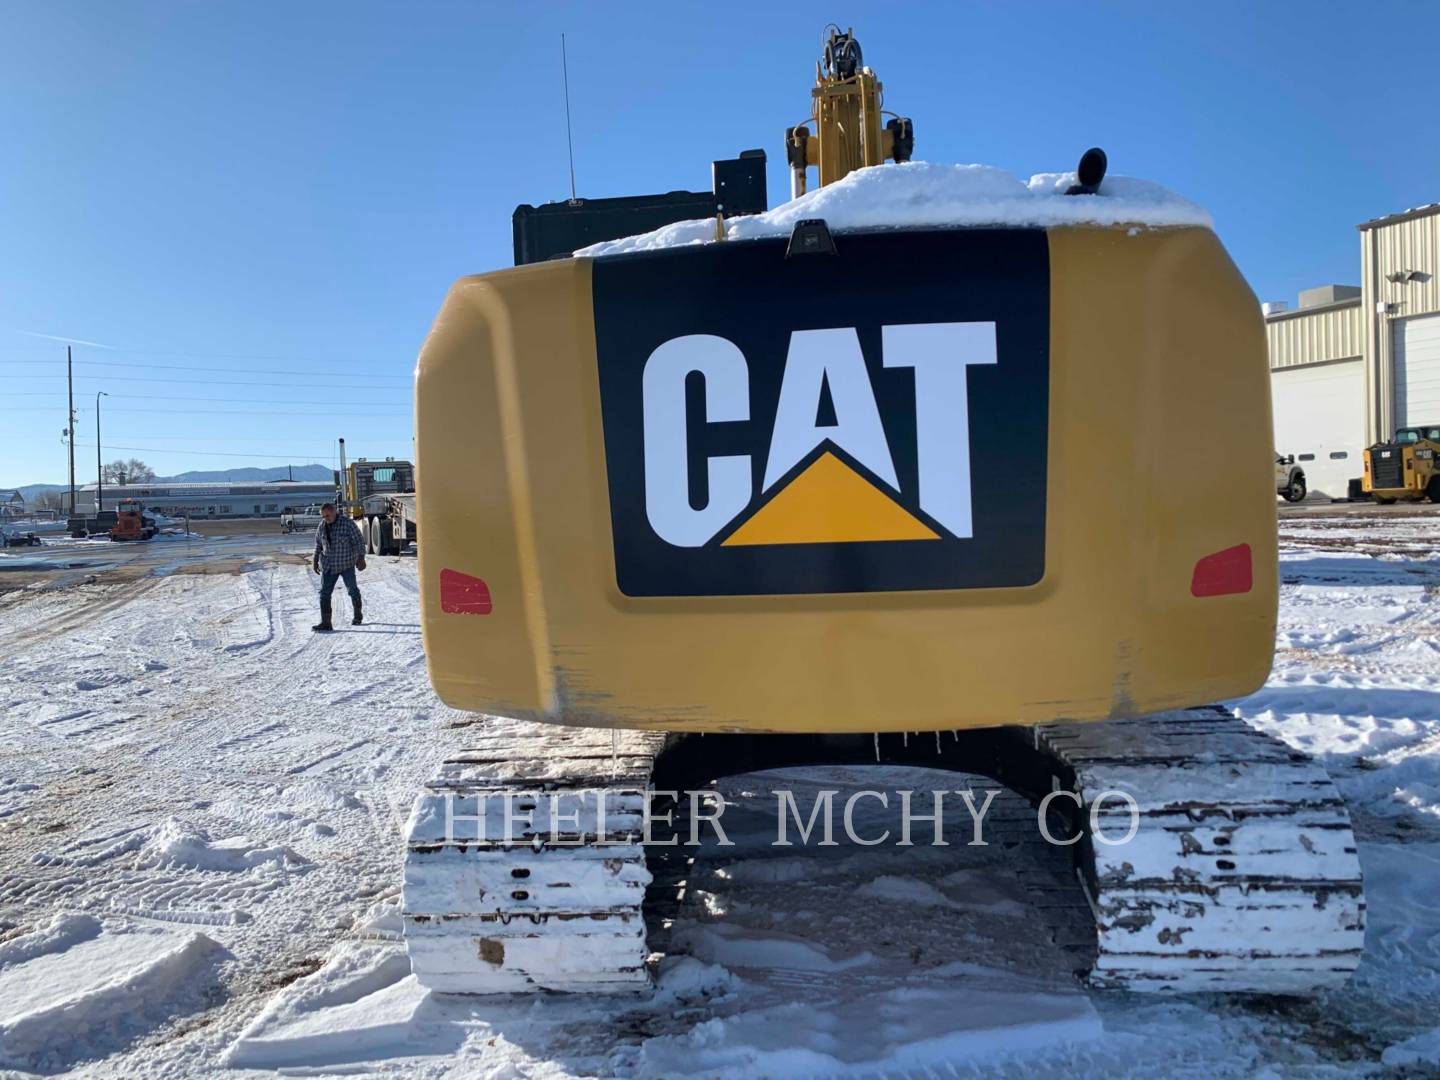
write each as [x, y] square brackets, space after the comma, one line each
[569, 143]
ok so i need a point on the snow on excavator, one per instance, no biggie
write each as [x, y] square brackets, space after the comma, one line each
[763, 490]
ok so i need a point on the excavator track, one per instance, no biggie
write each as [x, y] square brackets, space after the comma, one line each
[553, 897]
[1241, 874]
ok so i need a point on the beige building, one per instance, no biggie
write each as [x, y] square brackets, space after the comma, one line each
[1353, 363]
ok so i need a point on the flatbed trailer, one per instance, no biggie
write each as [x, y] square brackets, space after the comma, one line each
[388, 523]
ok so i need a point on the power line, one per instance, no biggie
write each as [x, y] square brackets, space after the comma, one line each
[208, 453]
[211, 438]
[247, 414]
[203, 370]
[161, 352]
[182, 397]
[212, 382]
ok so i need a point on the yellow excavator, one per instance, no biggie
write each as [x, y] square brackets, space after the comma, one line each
[766, 489]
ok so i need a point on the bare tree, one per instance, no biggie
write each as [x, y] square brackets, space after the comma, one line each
[52, 500]
[127, 472]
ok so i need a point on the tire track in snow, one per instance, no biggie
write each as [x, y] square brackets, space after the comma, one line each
[87, 612]
[272, 744]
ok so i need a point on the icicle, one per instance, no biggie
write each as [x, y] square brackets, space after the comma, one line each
[877, 748]
[614, 751]
[937, 743]
[905, 739]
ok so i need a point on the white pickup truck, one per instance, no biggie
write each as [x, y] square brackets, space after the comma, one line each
[304, 521]
[1289, 479]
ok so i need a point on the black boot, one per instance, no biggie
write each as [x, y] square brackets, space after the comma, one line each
[359, 613]
[323, 626]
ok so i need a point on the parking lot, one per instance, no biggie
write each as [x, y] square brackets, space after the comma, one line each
[1316, 507]
[210, 547]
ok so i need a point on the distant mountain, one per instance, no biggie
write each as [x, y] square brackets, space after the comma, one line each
[311, 473]
[283, 472]
[29, 491]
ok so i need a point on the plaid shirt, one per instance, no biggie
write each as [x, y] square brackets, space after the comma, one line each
[338, 545]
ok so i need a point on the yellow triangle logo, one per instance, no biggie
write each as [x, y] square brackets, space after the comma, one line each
[829, 503]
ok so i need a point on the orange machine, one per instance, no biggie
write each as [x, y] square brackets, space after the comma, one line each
[131, 522]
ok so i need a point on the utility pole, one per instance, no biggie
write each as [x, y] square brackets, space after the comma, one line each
[569, 143]
[99, 469]
[70, 427]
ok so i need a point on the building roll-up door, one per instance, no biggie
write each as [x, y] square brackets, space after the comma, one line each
[1417, 371]
[1320, 418]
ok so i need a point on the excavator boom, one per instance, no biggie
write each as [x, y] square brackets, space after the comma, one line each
[849, 129]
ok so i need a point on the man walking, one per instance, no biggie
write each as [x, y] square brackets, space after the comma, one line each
[339, 552]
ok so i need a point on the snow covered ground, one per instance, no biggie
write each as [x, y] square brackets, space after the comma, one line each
[201, 806]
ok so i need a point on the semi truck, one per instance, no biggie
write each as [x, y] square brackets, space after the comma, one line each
[380, 496]
[388, 523]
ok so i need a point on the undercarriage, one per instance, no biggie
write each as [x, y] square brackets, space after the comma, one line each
[1181, 852]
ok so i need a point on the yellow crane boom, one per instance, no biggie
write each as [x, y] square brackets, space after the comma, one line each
[846, 111]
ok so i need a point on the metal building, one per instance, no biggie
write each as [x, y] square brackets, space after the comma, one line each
[1400, 257]
[220, 500]
[1353, 363]
[1317, 385]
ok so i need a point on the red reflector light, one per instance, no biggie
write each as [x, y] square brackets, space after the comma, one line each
[1223, 573]
[461, 594]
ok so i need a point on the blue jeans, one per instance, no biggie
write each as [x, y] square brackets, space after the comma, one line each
[327, 587]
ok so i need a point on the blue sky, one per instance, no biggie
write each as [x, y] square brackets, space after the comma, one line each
[257, 207]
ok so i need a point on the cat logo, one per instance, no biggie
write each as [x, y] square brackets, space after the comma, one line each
[829, 474]
[779, 438]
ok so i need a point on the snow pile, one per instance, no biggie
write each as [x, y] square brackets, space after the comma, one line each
[176, 844]
[1423, 1049]
[361, 1004]
[921, 194]
[318, 795]
[380, 922]
[684, 979]
[59, 934]
[70, 992]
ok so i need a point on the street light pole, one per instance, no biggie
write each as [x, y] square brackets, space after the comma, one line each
[99, 470]
[70, 424]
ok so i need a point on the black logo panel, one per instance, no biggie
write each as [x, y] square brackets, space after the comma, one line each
[870, 421]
